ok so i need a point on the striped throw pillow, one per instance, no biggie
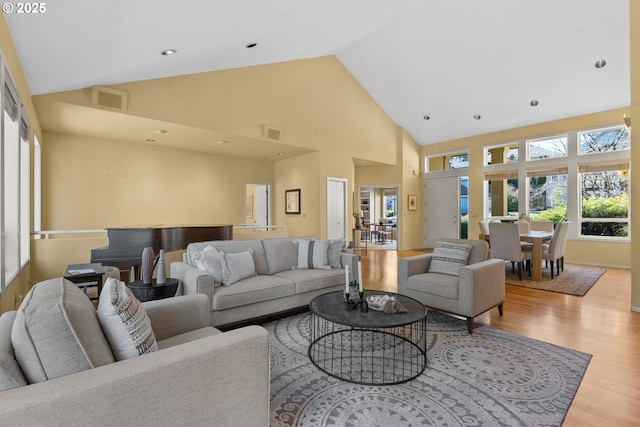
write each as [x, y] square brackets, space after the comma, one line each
[449, 257]
[313, 254]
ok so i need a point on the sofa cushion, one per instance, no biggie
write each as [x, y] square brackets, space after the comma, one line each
[56, 332]
[312, 280]
[125, 321]
[252, 289]
[313, 254]
[444, 285]
[208, 260]
[281, 253]
[11, 375]
[448, 257]
[234, 246]
[237, 266]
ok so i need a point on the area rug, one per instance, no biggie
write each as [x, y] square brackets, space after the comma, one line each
[574, 280]
[489, 378]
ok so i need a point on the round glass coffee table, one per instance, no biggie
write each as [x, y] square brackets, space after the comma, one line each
[373, 348]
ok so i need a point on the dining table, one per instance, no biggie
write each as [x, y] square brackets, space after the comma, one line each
[536, 238]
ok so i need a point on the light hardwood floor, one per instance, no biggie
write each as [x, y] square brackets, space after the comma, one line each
[600, 323]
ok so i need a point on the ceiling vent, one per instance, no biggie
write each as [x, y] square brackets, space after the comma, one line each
[109, 99]
[272, 133]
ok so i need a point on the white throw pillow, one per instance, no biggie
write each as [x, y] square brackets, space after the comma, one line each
[313, 254]
[124, 321]
[449, 257]
[237, 266]
[209, 260]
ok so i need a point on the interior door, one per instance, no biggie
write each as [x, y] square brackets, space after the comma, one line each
[261, 205]
[336, 208]
[441, 211]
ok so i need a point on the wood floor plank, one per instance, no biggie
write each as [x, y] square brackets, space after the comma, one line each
[600, 323]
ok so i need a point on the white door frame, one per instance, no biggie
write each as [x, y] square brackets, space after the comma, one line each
[268, 200]
[400, 206]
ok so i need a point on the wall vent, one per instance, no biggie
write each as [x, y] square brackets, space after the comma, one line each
[272, 133]
[109, 99]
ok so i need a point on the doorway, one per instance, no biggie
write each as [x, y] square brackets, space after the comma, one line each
[379, 208]
[257, 205]
[337, 208]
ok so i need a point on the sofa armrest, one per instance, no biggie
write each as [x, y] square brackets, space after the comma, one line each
[218, 380]
[192, 280]
[484, 283]
[409, 266]
[177, 315]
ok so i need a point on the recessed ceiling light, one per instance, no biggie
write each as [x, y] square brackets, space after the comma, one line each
[477, 116]
[161, 131]
[426, 117]
[281, 154]
[534, 102]
[169, 52]
[222, 142]
[151, 140]
[251, 45]
[600, 63]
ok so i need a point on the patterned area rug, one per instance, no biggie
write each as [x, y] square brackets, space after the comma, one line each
[490, 378]
[574, 280]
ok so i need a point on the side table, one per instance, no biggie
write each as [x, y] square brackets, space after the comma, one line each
[154, 291]
[85, 276]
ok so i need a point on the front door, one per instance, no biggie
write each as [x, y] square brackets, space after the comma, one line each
[441, 211]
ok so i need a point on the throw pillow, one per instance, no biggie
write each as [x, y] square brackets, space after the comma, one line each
[56, 332]
[313, 254]
[209, 260]
[237, 266]
[124, 321]
[449, 257]
[334, 254]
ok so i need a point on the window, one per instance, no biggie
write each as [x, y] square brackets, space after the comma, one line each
[444, 162]
[604, 140]
[501, 154]
[548, 148]
[604, 205]
[14, 179]
[548, 194]
[502, 194]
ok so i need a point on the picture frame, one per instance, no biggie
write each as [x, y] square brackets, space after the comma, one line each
[292, 201]
[413, 202]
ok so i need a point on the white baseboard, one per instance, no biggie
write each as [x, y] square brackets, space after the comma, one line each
[635, 309]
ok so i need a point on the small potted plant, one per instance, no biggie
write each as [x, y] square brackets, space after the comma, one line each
[356, 215]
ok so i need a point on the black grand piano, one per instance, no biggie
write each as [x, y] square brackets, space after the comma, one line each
[126, 243]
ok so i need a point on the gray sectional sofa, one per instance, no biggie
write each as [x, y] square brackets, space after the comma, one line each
[198, 376]
[278, 283]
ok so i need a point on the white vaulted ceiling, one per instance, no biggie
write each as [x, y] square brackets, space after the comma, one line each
[448, 60]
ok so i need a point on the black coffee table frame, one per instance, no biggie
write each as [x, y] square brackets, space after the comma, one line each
[373, 348]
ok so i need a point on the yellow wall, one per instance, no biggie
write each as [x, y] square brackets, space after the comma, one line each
[588, 252]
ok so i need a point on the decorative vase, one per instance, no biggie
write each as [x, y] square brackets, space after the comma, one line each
[161, 274]
[146, 270]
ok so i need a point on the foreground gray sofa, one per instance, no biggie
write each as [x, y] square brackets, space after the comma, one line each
[478, 286]
[277, 286]
[198, 377]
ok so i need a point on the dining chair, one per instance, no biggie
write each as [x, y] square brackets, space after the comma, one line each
[554, 251]
[505, 244]
[484, 227]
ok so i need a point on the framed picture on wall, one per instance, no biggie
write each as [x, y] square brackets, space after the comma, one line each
[413, 202]
[292, 201]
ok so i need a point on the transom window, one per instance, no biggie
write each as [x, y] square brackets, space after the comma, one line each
[548, 148]
[602, 141]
